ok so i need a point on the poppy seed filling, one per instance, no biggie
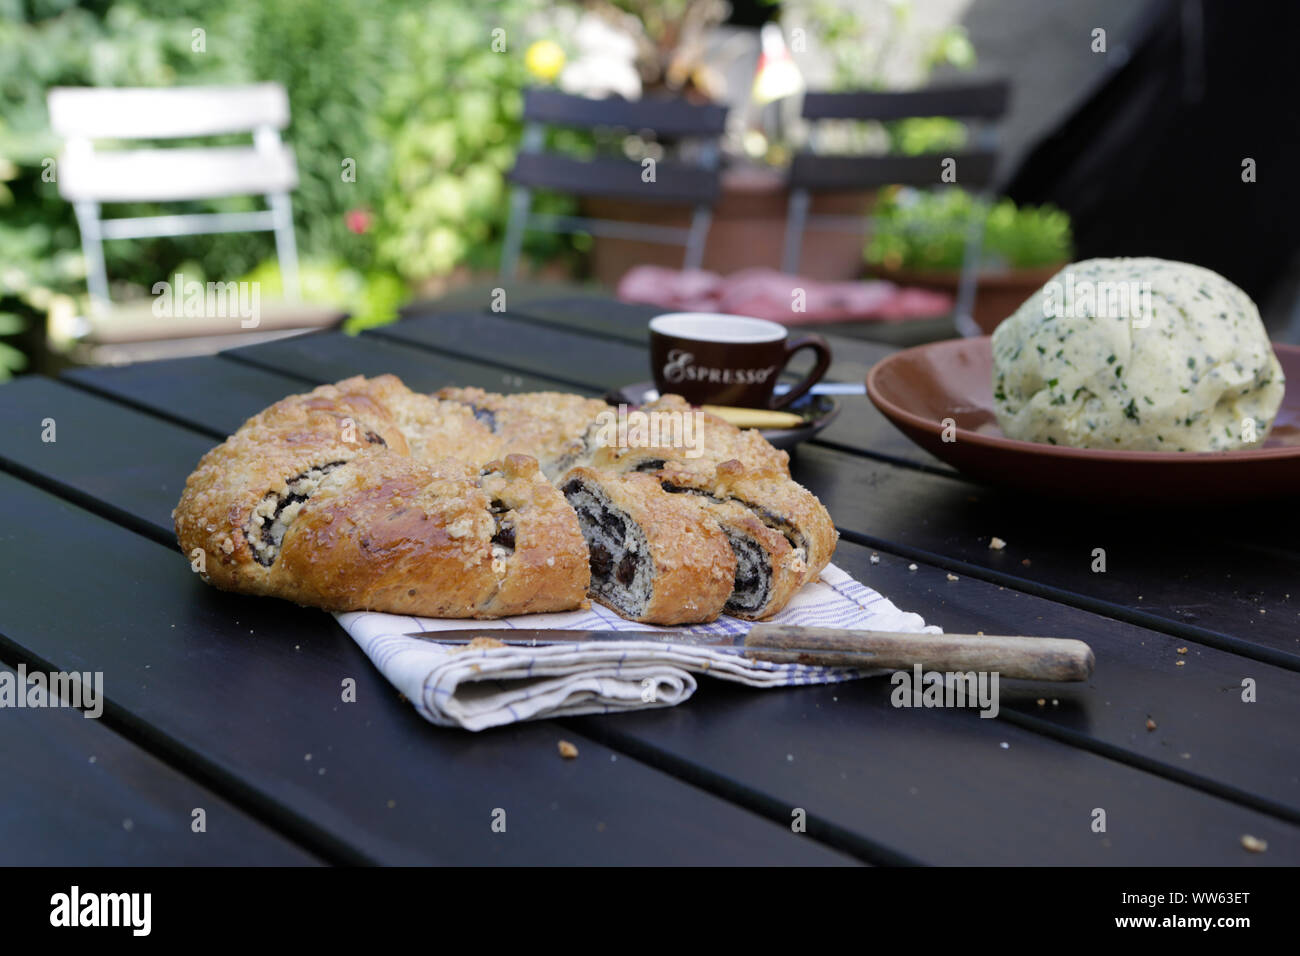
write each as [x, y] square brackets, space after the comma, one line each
[621, 568]
[769, 518]
[272, 517]
[753, 584]
[504, 534]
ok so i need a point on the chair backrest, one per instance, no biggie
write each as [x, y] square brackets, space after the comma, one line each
[169, 113]
[983, 101]
[87, 177]
[130, 175]
[671, 119]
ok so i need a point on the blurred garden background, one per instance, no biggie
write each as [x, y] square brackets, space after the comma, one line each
[406, 117]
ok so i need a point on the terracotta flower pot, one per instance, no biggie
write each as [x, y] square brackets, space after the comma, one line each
[998, 293]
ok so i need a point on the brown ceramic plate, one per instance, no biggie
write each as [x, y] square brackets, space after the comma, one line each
[917, 388]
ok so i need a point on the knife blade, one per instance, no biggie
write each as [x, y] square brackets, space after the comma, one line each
[1020, 658]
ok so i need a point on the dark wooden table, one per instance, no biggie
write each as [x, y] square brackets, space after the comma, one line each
[233, 704]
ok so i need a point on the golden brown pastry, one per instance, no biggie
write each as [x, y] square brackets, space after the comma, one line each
[785, 506]
[320, 523]
[773, 524]
[366, 495]
[686, 438]
[554, 427]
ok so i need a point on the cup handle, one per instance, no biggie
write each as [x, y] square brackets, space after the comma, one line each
[818, 345]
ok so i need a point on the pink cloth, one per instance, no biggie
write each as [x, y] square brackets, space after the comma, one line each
[769, 294]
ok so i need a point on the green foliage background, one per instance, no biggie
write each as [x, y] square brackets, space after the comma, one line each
[411, 90]
[925, 230]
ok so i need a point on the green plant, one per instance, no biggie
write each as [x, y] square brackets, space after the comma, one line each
[450, 120]
[1027, 237]
[370, 298]
[876, 46]
[929, 231]
[411, 95]
[868, 42]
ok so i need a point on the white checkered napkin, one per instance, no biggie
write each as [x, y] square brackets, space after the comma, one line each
[480, 688]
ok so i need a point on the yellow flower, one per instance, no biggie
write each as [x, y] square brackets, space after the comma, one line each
[545, 60]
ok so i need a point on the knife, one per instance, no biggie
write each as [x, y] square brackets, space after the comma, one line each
[1024, 658]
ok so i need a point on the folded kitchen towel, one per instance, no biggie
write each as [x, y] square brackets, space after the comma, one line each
[476, 688]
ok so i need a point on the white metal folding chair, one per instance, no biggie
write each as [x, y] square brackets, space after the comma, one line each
[88, 177]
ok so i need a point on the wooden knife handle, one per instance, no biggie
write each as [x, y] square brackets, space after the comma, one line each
[1023, 658]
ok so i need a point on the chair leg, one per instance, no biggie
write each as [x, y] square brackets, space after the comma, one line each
[521, 200]
[92, 246]
[286, 245]
[964, 307]
[698, 237]
[796, 218]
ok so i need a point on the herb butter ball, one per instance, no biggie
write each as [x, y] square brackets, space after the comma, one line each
[1141, 354]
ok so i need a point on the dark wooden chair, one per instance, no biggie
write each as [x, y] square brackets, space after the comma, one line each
[691, 183]
[977, 103]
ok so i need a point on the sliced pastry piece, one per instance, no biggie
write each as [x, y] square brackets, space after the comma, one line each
[768, 572]
[537, 542]
[786, 506]
[655, 558]
[768, 569]
[777, 501]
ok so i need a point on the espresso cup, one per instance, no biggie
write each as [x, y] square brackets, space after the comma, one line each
[714, 359]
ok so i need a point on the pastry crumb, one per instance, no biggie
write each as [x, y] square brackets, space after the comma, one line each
[567, 750]
[997, 544]
[953, 577]
[1151, 724]
[480, 643]
[1253, 844]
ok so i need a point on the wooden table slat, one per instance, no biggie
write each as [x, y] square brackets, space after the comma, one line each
[1143, 677]
[308, 355]
[74, 793]
[247, 692]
